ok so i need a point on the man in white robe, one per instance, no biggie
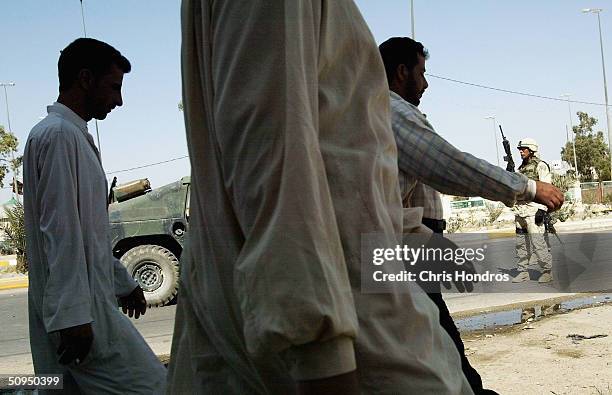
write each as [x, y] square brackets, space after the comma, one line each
[293, 160]
[76, 328]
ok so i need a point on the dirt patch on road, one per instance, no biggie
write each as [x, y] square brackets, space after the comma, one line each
[538, 357]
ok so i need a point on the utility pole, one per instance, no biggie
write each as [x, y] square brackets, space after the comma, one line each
[95, 120]
[603, 66]
[8, 115]
[412, 17]
[571, 128]
[495, 137]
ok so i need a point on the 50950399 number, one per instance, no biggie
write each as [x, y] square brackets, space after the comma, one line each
[31, 381]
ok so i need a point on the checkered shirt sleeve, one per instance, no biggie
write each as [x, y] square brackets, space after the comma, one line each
[423, 154]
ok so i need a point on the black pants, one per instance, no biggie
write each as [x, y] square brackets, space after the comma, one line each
[446, 322]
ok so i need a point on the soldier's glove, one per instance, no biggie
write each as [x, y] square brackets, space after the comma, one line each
[75, 343]
[134, 304]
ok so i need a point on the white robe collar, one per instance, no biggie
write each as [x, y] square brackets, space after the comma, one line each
[68, 114]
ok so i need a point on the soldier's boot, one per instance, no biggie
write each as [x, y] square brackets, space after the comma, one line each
[546, 277]
[521, 277]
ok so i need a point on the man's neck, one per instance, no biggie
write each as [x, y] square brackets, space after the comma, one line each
[75, 104]
[401, 93]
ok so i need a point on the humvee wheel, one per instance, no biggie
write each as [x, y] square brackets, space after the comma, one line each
[156, 270]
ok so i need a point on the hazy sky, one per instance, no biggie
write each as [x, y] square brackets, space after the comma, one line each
[545, 48]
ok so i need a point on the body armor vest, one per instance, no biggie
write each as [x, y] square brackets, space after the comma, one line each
[531, 168]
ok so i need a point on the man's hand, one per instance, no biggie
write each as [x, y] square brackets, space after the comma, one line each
[75, 343]
[134, 304]
[461, 285]
[439, 242]
[548, 195]
[343, 384]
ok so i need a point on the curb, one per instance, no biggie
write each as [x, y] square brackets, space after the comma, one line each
[13, 283]
[536, 309]
[501, 234]
[528, 304]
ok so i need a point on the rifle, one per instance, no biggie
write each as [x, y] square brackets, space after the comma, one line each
[542, 216]
[508, 157]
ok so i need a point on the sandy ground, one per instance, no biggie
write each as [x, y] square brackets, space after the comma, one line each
[539, 358]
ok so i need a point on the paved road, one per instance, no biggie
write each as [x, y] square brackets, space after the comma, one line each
[156, 327]
[590, 253]
[581, 263]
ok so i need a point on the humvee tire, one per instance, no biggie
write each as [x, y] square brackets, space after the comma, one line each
[156, 270]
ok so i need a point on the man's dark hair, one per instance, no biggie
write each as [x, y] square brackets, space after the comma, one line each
[400, 50]
[91, 54]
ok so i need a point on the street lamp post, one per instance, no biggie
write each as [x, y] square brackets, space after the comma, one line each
[8, 118]
[412, 17]
[571, 126]
[95, 120]
[603, 66]
[494, 136]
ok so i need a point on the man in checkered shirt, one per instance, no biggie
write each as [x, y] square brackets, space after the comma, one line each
[427, 159]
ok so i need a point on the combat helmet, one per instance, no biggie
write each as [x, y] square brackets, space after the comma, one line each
[528, 143]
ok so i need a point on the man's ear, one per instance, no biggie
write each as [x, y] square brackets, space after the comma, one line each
[401, 72]
[85, 79]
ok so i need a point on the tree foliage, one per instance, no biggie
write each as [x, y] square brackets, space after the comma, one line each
[8, 148]
[14, 234]
[494, 210]
[564, 182]
[591, 150]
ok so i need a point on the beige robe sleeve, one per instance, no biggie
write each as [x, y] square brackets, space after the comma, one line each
[412, 217]
[261, 61]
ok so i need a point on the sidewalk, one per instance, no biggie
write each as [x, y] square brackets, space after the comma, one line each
[493, 312]
[13, 281]
[462, 305]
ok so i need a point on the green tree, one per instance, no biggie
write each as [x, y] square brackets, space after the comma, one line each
[14, 234]
[8, 149]
[564, 182]
[591, 149]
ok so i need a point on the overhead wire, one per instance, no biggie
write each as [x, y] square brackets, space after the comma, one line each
[147, 165]
[515, 92]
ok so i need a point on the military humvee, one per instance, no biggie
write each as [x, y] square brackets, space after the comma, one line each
[147, 234]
